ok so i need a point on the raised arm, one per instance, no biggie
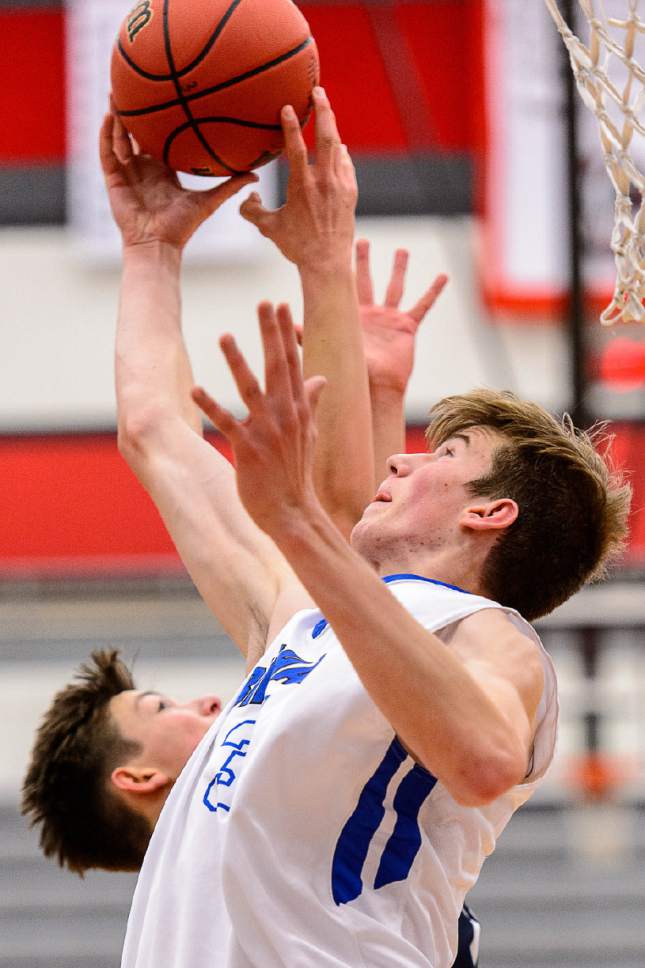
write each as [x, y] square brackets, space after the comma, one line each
[315, 231]
[234, 565]
[389, 335]
[467, 713]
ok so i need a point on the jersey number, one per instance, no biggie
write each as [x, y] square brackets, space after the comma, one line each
[357, 834]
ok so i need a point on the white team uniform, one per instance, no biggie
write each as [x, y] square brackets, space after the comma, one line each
[301, 835]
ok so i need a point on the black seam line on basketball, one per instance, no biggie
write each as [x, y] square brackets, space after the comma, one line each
[215, 157]
[224, 119]
[182, 100]
[263, 158]
[189, 124]
[153, 108]
[200, 57]
[239, 121]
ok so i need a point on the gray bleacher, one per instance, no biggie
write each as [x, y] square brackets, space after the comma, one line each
[565, 888]
[541, 906]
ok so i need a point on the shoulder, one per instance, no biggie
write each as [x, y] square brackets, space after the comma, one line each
[493, 644]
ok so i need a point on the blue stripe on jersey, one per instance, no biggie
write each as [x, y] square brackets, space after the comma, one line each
[405, 840]
[318, 628]
[356, 835]
[432, 581]
[322, 624]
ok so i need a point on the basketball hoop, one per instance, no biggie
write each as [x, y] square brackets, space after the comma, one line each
[611, 83]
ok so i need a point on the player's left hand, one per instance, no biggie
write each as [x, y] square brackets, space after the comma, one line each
[147, 200]
[389, 332]
[274, 445]
[315, 226]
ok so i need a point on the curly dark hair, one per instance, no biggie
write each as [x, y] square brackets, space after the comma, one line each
[573, 506]
[66, 790]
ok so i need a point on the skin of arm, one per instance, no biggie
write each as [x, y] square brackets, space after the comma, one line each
[467, 713]
[315, 231]
[159, 427]
[242, 578]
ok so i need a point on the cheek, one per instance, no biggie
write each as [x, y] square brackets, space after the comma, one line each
[192, 735]
[439, 492]
[181, 741]
[429, 490]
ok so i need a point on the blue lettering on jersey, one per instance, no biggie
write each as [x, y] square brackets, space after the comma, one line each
[357, 834]
[226, 776]
[287, 667]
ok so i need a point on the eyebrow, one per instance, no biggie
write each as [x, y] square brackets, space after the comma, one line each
[458, 436]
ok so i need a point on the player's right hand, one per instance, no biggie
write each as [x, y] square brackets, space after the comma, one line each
[147, 201]
[315, 227]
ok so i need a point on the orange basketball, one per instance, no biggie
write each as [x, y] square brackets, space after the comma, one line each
[200, 83]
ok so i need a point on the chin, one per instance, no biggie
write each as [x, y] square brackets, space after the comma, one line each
[355, 536]
[364, 540]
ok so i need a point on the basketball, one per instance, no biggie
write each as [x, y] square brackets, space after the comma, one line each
[199, 84]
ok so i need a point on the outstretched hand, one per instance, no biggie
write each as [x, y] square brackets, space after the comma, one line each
[388, 331]
[274, 445]
[146, 197]
[315, 226]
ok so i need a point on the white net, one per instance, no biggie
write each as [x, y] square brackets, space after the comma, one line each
[612, 85]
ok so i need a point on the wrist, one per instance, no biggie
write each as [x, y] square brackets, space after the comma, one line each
[387, 389]
[329, 265]
[336, 277]
[153, 251]
[298, 529]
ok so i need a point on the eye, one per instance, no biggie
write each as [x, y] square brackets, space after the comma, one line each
[163, 704]
[450, 451]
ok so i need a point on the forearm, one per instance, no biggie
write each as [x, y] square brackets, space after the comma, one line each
[431, 700]
[153, 372]
[388, 426]
[333, 347]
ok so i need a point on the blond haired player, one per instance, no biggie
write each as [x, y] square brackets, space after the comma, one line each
[402, 708]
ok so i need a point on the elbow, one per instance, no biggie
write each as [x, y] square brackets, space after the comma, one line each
[130, 436]
[135, 432]
[487, 778]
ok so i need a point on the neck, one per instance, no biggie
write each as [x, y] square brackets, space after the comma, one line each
[450, 567]
[149, 805]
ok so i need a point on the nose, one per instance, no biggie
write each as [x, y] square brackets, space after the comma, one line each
[400, 465]
[208, 705]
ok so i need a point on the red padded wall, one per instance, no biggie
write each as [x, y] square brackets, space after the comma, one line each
[32, 86]
[440, 39]
[71, 505]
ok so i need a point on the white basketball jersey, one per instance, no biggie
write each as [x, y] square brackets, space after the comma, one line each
[301, 835]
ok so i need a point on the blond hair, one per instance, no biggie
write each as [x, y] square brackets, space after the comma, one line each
[573, 505]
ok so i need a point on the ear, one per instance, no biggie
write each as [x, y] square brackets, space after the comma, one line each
[490, 515]
[138, 779]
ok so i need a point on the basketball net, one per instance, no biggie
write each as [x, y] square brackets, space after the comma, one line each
[612, 85]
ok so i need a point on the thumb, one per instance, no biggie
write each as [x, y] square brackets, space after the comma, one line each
[214, 197]
[254, 212]
[314, 386]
